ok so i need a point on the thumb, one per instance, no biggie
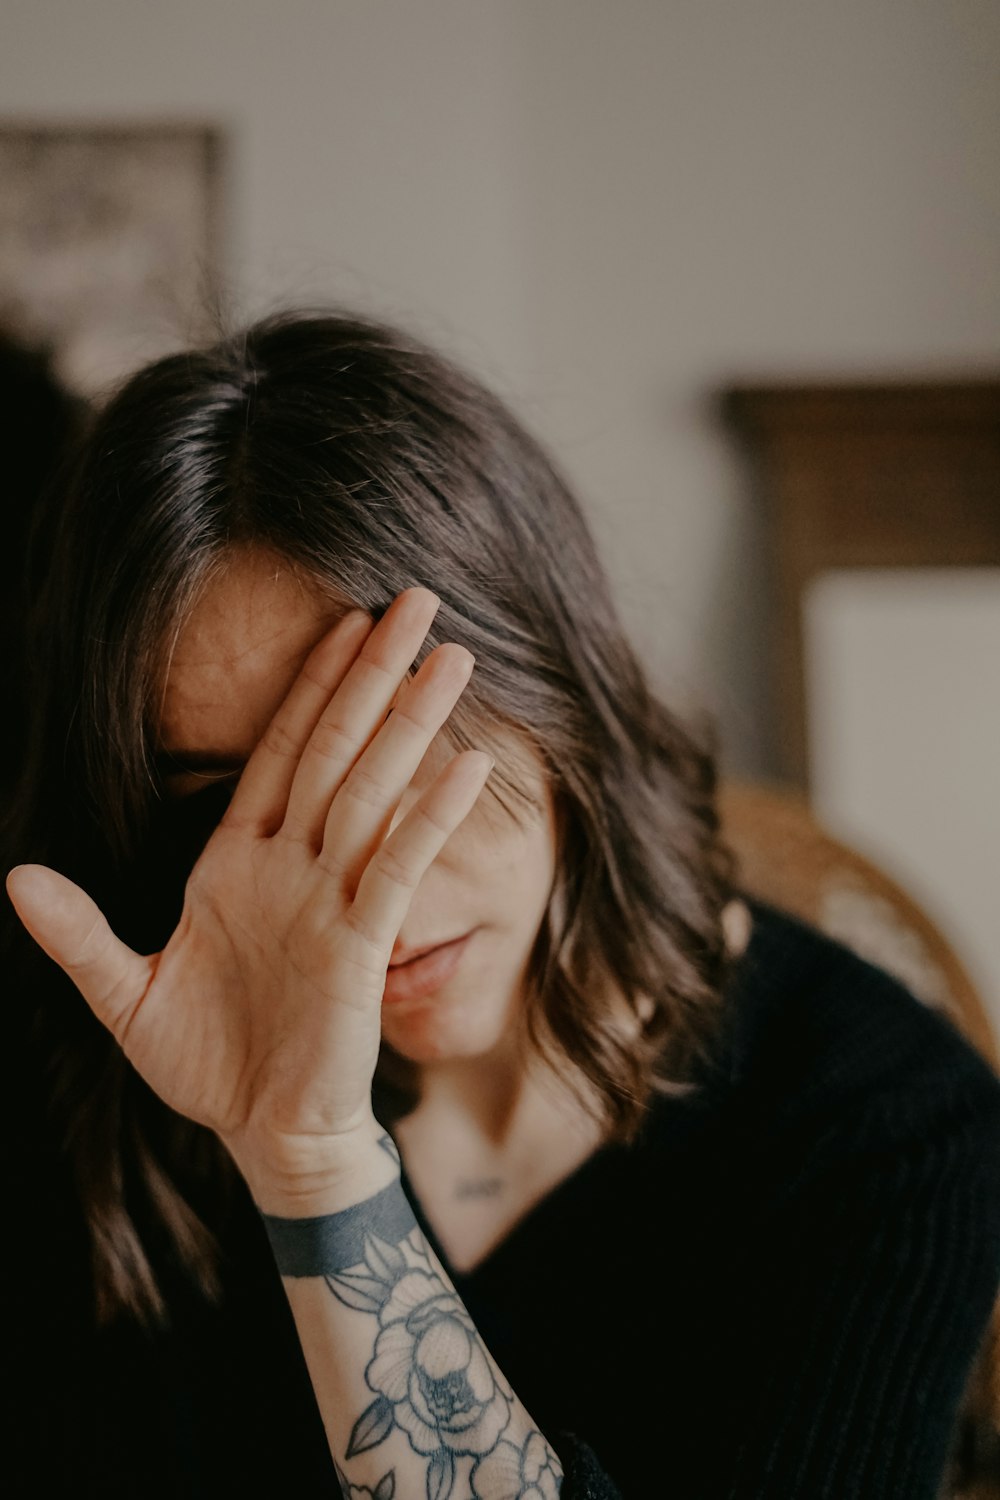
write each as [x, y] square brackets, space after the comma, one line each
[71, 929]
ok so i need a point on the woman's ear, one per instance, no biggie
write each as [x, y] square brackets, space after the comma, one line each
[736, 924]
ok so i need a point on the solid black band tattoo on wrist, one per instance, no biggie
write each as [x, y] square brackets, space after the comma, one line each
[333, 1243]
[430, 1376]
[432, 1381]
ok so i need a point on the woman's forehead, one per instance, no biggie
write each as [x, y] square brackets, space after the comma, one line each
[238, 653]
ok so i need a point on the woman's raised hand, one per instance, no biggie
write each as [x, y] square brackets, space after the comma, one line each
[261, 1016]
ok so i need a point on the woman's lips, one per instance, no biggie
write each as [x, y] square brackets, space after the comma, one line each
[422, 976]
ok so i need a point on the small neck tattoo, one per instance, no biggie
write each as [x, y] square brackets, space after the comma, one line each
[478, 1187]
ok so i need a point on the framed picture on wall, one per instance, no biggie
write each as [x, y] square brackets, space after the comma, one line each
[109, 239]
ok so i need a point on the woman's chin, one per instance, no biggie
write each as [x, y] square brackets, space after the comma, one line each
[427, 1042]
[429, 1032]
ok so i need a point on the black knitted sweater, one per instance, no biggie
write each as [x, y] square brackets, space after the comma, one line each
[779, 1291]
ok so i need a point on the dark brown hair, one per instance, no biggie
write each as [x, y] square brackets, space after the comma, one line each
[40, 419]
[372, 464]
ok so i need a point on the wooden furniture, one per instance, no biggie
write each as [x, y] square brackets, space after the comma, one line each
[788, 859]
[858, 476]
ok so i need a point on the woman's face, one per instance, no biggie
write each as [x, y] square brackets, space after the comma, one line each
[234, 660]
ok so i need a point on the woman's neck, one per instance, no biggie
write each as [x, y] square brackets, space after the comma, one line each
[487, 1096]
[486, 1142]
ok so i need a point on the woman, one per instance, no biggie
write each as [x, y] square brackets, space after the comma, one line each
[632, 1185]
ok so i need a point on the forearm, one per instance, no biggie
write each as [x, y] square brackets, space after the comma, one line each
[412, 1402]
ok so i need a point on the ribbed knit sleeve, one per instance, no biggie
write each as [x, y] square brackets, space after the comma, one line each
[867, 1292]
[862, 1266]
[861, 1291]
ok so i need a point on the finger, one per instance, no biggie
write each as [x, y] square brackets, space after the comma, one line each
[356, 712]
[71, 929]
[261, 794]
[362, 810]
[391, 876]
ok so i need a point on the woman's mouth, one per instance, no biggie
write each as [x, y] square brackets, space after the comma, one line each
[422, 976]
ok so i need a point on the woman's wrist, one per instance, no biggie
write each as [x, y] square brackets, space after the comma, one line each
[318, 1176]
[339, 1241]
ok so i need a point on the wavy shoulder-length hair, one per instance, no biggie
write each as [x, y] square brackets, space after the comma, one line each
[370, 463]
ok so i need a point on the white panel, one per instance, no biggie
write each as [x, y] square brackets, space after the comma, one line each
[903, 704]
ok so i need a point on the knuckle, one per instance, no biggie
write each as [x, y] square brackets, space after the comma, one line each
[425, 814]
[325, 667]
[93, 945]
[312, 674]
[403, 720]
[279, 741]
[297, 833]
[235, 820]
[397, 867]
[317, 924]
[123, 1015]
[331, 741]
[365, 788]
[368, 662]
[360, 927]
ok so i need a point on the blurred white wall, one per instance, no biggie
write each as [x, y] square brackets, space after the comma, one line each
[904, 714]
[609, 209]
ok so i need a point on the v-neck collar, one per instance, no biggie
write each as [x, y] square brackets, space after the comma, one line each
[523, 1226]
[580, 1176]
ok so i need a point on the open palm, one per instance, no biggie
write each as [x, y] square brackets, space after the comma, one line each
[261, 1016]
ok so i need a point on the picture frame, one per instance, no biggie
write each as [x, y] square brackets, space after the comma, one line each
[109, 242]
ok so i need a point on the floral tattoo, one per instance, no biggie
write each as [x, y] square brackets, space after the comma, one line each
[431, 1378]
[429, 1373]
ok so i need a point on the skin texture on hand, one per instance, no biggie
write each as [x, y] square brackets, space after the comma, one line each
[260, 1018]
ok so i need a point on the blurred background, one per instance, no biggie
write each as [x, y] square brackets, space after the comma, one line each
[737, 262]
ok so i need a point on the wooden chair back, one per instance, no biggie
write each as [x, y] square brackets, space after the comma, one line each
[787, 858]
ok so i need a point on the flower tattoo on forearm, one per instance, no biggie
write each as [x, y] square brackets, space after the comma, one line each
[429, 1373]
[430, 1376]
